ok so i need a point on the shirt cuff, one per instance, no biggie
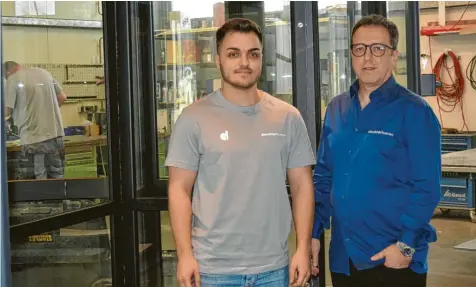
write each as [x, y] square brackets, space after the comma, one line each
[316, 231]
[409, 237]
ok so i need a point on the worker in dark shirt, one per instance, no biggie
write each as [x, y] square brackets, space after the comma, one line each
[378, 171]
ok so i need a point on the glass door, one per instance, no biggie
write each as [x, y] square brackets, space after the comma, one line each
[61, 169]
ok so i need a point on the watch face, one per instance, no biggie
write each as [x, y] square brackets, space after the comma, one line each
[407, 251]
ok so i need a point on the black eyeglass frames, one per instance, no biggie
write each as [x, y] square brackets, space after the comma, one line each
[377, 49]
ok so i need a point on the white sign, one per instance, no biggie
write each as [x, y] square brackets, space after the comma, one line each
[34, 8]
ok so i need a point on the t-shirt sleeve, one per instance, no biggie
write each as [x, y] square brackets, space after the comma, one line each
[301, 151]
[10, 94]
[183, 150]
[58, 88]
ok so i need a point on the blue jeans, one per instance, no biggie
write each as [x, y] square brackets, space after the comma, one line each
[275, 278]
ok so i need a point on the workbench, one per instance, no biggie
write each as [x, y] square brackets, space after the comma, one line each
[81, 158]
[69, 141]
[458, 182]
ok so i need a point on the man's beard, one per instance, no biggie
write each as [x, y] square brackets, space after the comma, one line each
[238, 85]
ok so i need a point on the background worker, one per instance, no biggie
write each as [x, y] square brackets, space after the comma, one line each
[33, 98]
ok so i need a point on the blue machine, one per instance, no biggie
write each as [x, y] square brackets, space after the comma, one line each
[458, 188]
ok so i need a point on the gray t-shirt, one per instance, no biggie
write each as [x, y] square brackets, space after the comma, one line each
[241, 210]
[31, 93]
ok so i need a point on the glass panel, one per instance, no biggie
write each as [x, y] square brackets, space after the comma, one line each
[54, 93]
[149, 249]
[277, 50]
[333, 50]
[396, 13]
[185, 49]
[74, 256]
[451, 258]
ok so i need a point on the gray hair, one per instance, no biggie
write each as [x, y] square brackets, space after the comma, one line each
[8, 65]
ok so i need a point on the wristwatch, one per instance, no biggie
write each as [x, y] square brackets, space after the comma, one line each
[406, 250]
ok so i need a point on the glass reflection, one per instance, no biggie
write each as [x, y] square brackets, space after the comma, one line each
[54, 90]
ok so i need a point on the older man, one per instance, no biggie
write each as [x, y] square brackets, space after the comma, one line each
[33, 98]
[378, 171]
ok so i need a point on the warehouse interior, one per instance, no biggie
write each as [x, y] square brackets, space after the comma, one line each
[77, 231]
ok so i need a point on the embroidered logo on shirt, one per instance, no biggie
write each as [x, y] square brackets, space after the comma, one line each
[272, 135]
[380, 133]
[224, 136]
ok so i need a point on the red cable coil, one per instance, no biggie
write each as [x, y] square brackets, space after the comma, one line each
[450, 94]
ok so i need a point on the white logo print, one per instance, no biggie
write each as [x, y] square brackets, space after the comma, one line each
[224, 136]
[381, 133]
[272, 135]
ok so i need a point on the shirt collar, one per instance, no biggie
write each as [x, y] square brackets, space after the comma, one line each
[387, 89]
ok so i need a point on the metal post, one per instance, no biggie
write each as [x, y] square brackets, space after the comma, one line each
[306, 72]
[351, 11]
[4, 219]
[412, 27]
[374, 7]
[125, 222]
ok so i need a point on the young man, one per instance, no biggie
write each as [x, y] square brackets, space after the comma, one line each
[378, 170]
[33, 98]
[235, 148]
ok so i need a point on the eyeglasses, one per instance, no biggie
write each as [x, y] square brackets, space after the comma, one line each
[377, 49]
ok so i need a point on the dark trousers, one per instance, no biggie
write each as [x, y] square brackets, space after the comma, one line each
[380, 276]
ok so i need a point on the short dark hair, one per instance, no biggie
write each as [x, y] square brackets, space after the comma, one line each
[8, 65]
[378, 20]
[238, 25]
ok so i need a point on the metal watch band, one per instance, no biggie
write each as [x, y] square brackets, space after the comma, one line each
[406, 250]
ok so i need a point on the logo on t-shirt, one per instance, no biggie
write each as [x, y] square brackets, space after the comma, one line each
[272, 135]
[224, 136]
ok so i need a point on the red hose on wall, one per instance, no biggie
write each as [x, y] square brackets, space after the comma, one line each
[450, 93]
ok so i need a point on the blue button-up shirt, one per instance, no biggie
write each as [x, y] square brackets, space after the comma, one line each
[378, 176]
